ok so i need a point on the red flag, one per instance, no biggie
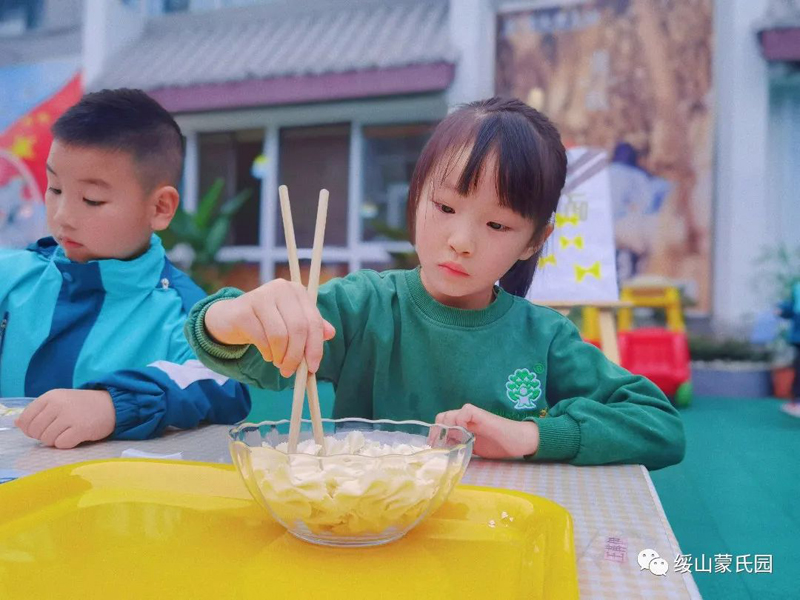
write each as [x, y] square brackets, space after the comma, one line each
[24, 146]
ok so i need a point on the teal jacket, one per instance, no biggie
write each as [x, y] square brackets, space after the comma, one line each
[113, 325]
[790, 309]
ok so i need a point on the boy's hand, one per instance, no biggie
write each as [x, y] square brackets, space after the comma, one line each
[495, 437]
[65, 418]
[279, 319]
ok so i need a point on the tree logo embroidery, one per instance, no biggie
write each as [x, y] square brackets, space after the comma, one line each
[523, 388]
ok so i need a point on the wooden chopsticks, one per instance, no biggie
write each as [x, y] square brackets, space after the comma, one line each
[303, 379]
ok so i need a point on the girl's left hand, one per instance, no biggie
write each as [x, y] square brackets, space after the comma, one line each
[495, 437]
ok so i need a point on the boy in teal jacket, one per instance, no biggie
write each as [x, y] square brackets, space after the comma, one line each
[91, 319]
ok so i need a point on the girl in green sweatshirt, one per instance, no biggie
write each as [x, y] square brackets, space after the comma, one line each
[442, 342]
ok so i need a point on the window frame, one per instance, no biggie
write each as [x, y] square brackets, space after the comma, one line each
[388, 111]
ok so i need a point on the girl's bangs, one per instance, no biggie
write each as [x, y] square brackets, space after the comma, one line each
[511, 149]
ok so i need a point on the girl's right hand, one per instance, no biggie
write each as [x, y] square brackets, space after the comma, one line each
[279, 319]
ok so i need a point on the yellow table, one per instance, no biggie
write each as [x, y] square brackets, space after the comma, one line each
[616, 510]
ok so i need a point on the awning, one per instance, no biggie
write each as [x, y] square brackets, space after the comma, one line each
[287, 53]
[779, 31]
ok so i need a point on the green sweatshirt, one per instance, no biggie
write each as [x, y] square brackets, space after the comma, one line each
[400, 354]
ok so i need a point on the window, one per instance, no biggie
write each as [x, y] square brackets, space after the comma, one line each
[230, 156]
[312, 158]
[365, 165]
[19, 16]
[390, 154]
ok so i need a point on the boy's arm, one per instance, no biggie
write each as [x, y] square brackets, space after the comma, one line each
[171, 394]
[604, 414]
[341, 302]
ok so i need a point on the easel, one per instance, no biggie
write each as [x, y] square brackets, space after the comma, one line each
[661, 294]
[601, 313]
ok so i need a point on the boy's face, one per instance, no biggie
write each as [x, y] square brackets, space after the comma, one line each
[97, 207]
[466, 243]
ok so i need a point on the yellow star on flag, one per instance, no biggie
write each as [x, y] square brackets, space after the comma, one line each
[22, 146]
[43, 117]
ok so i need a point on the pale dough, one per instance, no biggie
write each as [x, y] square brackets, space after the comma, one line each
[360, 486]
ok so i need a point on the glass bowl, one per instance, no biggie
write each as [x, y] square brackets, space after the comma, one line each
[378, 480]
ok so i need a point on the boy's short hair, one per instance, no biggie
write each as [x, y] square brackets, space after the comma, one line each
[129, 121]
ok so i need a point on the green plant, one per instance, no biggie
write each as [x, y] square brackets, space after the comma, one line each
[708, 348]
[400, 259]
[778, 270]
[204, 232]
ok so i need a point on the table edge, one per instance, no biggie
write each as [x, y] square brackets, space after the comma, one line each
[688, 580]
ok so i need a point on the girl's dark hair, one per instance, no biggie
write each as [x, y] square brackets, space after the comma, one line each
[530, 159]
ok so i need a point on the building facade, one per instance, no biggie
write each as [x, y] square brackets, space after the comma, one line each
[342, 94]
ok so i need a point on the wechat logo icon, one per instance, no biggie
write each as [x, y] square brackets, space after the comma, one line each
[650, 560]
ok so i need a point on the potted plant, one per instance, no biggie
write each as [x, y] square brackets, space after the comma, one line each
[778, 271]
[783, 369]
[193, 240]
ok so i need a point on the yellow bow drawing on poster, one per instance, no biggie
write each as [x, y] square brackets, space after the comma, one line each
[576, 242]
[550, 259]
[582, 272]
[561, 220]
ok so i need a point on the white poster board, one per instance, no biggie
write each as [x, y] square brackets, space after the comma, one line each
[578, 262]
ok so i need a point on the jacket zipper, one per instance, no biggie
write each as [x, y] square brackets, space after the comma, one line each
[3, 327]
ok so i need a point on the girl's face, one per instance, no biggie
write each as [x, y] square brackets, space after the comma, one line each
[466, 243]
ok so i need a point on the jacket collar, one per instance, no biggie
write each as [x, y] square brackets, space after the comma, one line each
[114, 276]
